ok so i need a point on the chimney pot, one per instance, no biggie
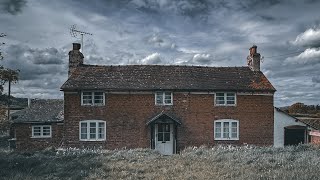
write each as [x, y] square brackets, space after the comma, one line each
[253, 50]
[76, 46]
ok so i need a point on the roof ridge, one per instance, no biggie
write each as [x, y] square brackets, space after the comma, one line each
[160, 65]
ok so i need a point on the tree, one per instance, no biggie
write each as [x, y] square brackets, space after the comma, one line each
[297, 108]
[6, 74]
[1, 43]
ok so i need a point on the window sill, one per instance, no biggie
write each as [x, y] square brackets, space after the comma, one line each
[92, 105]
[164, 104]
[88, 140]
[40, 137]
[225, 105]
[226, 139]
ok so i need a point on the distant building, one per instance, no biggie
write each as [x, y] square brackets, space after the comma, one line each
[314, 132]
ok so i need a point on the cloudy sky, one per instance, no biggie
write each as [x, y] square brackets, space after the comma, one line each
[181, 32]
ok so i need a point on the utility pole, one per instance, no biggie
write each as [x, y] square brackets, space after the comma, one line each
[9, 98]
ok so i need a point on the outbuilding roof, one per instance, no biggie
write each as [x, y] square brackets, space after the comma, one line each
[40, 111]
[162, 77]
[312, 122]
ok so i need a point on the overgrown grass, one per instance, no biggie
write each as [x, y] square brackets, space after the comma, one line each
[219, 162]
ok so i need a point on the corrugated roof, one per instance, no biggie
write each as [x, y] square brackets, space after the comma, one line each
[312, 122]
[160, 77]
[40, 110]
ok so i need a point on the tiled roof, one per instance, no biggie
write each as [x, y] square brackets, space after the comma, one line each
[40, 110]
[160, 77]
[312, 122]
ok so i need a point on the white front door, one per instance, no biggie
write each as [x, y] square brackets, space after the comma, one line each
[164, 138]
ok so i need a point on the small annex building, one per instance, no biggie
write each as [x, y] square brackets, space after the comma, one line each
[288, 130]
[40, 125]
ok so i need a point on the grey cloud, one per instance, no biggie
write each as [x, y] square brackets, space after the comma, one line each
[309, 38]
[309, 56]
[159, 41]
[184, 7]
[316, 79]
[292, 89]
[12, 6]
[131, 31]
[152, 59]
[37, 80]
[34, 63]
[202, 58]
[47, 56]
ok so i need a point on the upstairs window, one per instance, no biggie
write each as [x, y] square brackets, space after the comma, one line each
[226, 129]
[225, 99]
[163, 98]
[41, 131]
[92, 98]
[92, 130]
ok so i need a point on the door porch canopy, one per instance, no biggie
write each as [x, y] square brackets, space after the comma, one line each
[163, 118]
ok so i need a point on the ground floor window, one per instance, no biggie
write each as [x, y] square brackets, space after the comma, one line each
[226, 129]
[92, 130]
[41, 131]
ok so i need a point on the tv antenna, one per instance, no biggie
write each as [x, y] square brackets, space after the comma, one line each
[74, 33]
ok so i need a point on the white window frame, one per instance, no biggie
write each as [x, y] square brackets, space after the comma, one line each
[222, 121]
[96, 131]
[92, 96]
[41, 131]
[163, 98]
[225, 99]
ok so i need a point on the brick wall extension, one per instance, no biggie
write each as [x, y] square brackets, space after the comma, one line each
[315, 140]
[24, 140]
[126, 116]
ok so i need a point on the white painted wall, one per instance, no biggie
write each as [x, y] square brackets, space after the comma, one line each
[282, 120]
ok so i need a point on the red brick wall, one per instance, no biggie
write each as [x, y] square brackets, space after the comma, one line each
[24, 141]
[126, 116]
[315, 140]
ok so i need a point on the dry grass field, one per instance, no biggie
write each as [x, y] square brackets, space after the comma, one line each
[219, 162]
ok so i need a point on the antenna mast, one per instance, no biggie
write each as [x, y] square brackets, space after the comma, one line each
[74, 33]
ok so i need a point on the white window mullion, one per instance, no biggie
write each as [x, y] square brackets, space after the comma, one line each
[164, 97]
[97, 130]
[92, 97]
[222, 130]
[88, 130]
[230, 130]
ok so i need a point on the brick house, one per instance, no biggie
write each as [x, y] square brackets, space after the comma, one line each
[166, 108]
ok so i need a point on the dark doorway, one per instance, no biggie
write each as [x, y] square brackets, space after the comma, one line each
[294, 136]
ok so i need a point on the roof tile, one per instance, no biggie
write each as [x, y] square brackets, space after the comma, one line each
[161, 77]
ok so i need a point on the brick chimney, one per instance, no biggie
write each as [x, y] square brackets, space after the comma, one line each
[75, 58]
[253, 60]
